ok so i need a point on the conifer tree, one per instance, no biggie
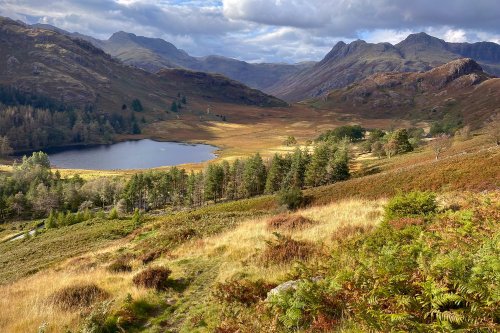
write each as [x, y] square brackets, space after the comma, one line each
[254, 176]
[295, 177]
[174, 107]
[316, 170]
[275, 174]
[214, 176]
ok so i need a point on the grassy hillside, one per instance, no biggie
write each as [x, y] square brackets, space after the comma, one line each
[224, 258]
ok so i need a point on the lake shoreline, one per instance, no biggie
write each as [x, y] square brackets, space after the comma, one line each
[131, 155]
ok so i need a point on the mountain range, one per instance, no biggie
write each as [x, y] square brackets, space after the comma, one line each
[75, 72]
[153, 54]
[349, 63]
[343, 65]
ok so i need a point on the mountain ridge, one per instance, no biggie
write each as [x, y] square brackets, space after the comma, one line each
[153, 54]
[348, 63]
[459, 87]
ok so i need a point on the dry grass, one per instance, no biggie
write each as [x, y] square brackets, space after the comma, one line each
[240, 249]
[24, 303]
[289, 222]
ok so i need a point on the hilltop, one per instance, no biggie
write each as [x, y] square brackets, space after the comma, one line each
[349, 63]
[460, 87]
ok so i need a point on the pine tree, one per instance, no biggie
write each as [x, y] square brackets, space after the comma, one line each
[135, 128]
[277, 173]
[137, 105]
[50, 222]
[338, 165]
[5, 146]
[214, 176]
[173, 107]
[254, 176]
[295, 177]
[316, 170]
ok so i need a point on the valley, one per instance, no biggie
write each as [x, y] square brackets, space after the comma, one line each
[143, 189]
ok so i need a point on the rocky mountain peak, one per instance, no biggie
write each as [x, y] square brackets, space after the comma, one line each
[342, 49]
[458, 68]
[421, 39]
[121, 36]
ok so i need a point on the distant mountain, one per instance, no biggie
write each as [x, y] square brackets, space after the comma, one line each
[88, 91]
[77, 72]
[348, 63]
[153, 54]
[460, 88]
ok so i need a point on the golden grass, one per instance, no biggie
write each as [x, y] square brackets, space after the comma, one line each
[239, 249]
[26, 303]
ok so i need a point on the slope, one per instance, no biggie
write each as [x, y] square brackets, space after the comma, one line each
[153, 54]
[70, 73]
[459, 87]
[348, 63]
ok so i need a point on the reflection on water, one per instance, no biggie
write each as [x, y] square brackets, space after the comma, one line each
[141, 154]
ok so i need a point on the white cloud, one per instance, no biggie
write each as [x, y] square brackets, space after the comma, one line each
[270, 30]
[455, 36]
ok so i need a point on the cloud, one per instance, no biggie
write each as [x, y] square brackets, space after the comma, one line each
[347, 17]
[266, 30]
[99, 16]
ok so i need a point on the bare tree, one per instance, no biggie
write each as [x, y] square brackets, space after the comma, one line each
[440, 144]
[463, 134]
[493, 128]
[391, 148]
[377, 148]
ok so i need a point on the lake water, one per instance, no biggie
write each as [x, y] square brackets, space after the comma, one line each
[140, 154]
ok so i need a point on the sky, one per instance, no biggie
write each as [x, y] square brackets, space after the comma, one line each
[266, 30]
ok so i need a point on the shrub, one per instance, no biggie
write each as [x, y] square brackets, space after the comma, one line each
[150, 256]
[113, 214]
[137, 217]
[98, 320]
[78, 296]
[289, 222]
[134, 313]
[403, 222]
[119, 266]
[285, 249]
[244, 291]
[290, 141]
[412, 204]
[153, 278]
[291, 198]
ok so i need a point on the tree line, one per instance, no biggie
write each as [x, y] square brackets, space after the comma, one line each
[34, 191]
[30, 122]
[243, 178]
